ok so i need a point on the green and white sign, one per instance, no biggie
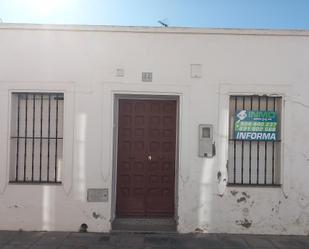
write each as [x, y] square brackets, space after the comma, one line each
[255, 125]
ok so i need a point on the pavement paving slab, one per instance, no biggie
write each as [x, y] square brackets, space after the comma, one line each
[127, 240]
[304, 240]
[84, 240]
[52, 238]
[207, 242]
[159, 240]
[26, 238]
[15, 247]
[258, 242]
[67, 247]
[44, 246]
[6, 236]
[286, 242]
[233, 241]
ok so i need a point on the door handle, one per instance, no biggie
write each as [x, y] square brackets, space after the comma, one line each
[149, 157]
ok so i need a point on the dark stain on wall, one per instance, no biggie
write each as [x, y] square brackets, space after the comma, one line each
[241, 199]
[245, 195]
[219, 175]
[245, 223]
[95, 215]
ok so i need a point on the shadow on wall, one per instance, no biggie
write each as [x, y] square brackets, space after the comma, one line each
[212, 175]
[81, 130]
[50, 194]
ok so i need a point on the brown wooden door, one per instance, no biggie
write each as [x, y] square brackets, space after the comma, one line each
[146, 158]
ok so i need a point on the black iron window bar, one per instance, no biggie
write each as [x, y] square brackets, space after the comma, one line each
[38, 101]
[270, 103]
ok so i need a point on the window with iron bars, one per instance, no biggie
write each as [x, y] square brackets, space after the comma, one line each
[254, 163]
[36, 143]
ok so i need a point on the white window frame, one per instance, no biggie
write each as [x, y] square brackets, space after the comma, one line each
[260, 165]
[226, 90]
[6, 91]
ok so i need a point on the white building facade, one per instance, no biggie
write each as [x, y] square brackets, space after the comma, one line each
[105, 122]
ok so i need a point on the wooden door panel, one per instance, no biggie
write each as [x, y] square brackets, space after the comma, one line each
[161, 179]
[131, 159]
[146, 158]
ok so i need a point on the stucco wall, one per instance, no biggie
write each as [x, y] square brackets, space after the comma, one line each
[83, 62]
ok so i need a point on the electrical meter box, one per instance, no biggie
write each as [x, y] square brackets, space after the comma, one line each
[206, 143]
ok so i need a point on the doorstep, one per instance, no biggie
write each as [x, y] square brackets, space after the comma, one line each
[156, 225]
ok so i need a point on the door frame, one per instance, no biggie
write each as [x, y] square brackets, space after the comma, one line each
[116, 98]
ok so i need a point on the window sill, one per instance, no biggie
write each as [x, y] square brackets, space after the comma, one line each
[255, 185]
[34, 183]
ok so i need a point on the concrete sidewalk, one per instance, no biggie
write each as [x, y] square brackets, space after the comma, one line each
[64, 240]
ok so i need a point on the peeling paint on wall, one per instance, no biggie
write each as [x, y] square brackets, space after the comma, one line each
[97, 215]
[199, 230]
[245, 195]
[303, 201]
[14, 206]
[245, 223]
[276, 208]
[241, 199]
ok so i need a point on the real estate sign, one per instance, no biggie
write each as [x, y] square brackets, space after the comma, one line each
[255, 125]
